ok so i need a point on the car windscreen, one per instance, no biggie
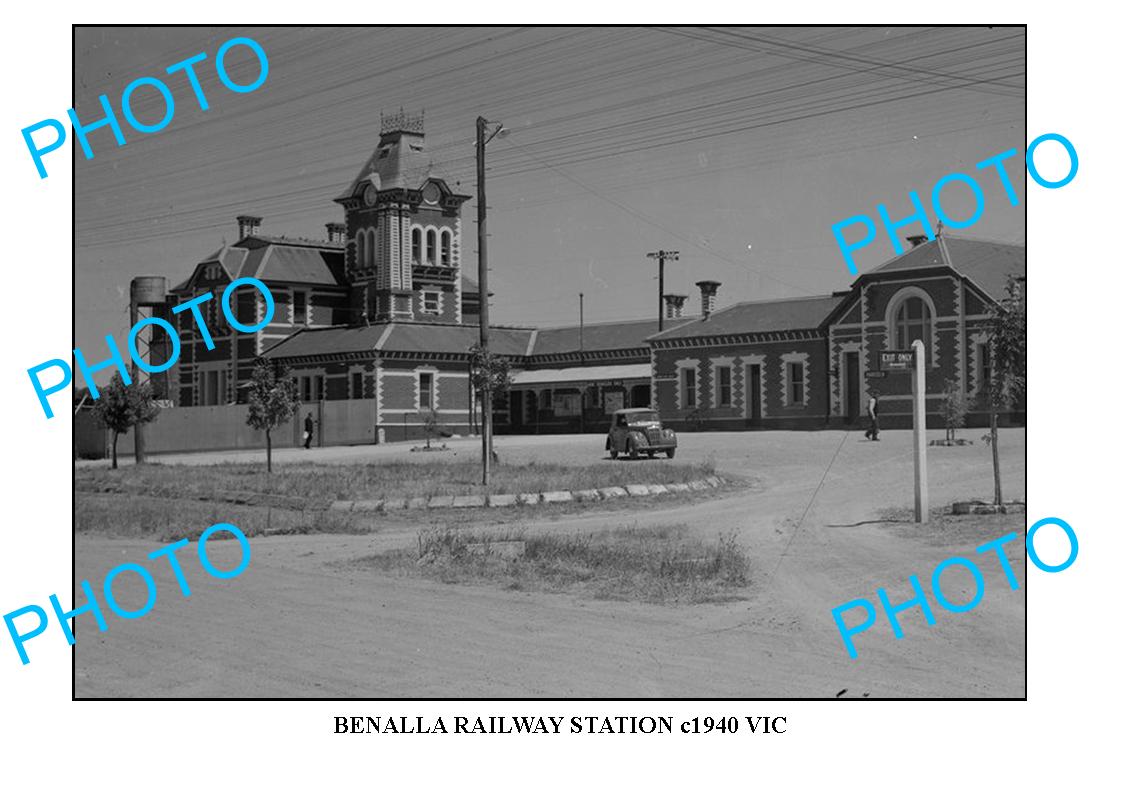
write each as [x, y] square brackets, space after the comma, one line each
[643, 417]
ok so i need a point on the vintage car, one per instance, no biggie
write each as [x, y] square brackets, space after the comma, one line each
[636, 431]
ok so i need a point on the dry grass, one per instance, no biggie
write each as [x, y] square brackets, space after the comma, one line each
[661, 564]
[324, 483]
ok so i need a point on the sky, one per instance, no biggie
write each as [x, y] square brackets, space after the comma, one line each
[737, 147]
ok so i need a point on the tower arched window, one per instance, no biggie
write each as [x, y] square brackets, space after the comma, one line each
[431, 247]
[360, 249]
[416, 254]
[913, 321]
[369, 261]
[446, 247]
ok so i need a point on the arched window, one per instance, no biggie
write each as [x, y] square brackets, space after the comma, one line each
[431, 247]
[913, 322]
[416, 245]
[446, 247]
[360, 250]
[368, 262]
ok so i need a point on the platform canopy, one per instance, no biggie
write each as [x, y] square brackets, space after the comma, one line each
[591, 373]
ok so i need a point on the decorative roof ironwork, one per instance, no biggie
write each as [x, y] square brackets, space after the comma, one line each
[403, 122]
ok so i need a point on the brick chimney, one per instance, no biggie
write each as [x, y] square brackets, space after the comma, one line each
[673, 302]
[709, 296]
[248, 225]
[337, 233]
[917, 240]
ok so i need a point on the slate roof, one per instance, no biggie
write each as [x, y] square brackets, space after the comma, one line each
[399, 161]
[401, 337]
[775, 315]
[986, 263]
[607, 336]
[289, 263]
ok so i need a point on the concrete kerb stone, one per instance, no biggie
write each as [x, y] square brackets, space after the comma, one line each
[609, 492]
[367, 505]
[637, 490]
[586, 495]
[394, 504]
[530, 498]
[468, 501]
[657, 489]
[557, 497]
[417, 503]
[678, 487]
[440, 502]
[699, 486]
[502, 500]
[342, 505]
[714, 481]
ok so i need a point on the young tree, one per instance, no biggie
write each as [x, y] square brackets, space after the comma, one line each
[490, 374]
[1007, 345]
[273, 401]
[955, 409]
[432, 426]
[119, 408]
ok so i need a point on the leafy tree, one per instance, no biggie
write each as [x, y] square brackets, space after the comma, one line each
[272, 401]
[1007, 383]
[491, 375]
[955, 409]
[121, 407]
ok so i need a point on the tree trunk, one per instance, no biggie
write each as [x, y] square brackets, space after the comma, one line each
[114, 450]
[994, 455]
[268, 451]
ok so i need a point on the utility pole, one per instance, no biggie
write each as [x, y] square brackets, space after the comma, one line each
[661, 256]
[481, 232]
[581, 327]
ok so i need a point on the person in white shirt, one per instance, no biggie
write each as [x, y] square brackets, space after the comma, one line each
[871, 410]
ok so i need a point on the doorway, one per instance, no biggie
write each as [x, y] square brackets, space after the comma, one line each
[754, 395]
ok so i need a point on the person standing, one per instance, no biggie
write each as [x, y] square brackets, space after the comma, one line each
[871, 409]
[309, 425]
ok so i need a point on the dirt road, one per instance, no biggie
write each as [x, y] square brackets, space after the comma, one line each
[297, 623]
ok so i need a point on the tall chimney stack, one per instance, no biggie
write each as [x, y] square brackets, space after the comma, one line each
[673, 302]
[248, 225]
[337, 233]
[709, 296]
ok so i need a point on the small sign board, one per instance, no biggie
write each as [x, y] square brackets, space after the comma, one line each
[875, 374]
[897, 360]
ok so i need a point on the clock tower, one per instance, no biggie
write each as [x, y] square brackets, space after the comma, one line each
[403, 231]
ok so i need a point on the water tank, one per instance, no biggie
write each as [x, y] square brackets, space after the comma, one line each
[148, 290]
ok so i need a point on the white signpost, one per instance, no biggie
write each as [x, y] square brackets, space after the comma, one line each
[914, 359]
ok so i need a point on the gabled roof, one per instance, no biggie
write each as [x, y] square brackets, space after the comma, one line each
[607, 336]
[986, 263]
[401, 337]
[774, 315]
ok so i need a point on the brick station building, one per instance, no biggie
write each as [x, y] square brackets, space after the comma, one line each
[381, 313]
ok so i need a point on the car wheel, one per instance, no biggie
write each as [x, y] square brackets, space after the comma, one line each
[613, 453]
[670, 453]
[630, 449]
[651, 454]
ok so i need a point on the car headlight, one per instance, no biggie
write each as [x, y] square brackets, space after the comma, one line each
[670, 432]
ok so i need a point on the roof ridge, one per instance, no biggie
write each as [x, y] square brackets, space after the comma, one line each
[991, 241]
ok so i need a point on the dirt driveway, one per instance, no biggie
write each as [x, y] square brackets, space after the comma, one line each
[296, 624]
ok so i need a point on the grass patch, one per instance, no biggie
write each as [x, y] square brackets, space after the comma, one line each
[661, 564]
[323, 483]
[133, 517]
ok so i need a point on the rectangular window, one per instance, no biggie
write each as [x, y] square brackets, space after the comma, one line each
[426, 396]
[299, 308]
[689, 388]
[306, 388]
[724, 386]
[356, 385]
[431, 302]
[795, 384]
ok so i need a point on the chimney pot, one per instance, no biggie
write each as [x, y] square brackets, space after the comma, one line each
[916, 240]
[337, 233]
[248, 225]
[709, 296]
[673, 302]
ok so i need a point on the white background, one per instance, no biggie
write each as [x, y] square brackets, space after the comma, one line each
[1062, 738]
